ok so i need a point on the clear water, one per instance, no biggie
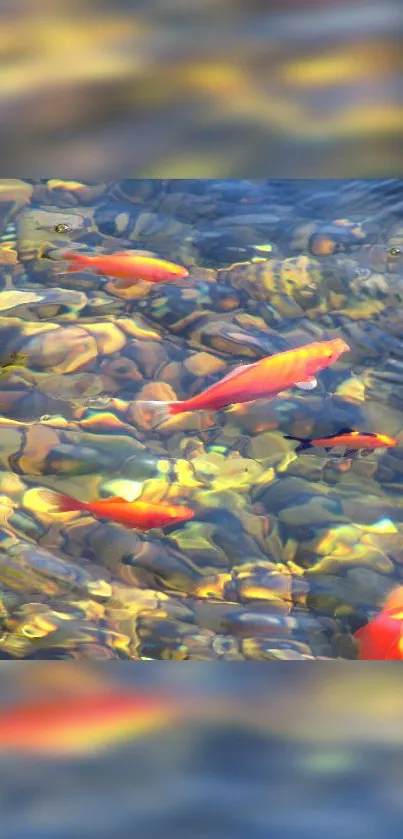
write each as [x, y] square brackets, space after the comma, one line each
[287, 556]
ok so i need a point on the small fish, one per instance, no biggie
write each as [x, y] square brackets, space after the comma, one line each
[127, 265]
[354, 440]
[141, 515]
[263, 379]
[382, 638]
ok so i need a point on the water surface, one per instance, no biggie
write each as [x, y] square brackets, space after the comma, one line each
[287, 555]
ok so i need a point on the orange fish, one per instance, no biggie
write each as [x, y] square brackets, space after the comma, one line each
[126, 265]
[382, 638]
[263, 379]
[83, 723]
[141, 515]
[354, 440]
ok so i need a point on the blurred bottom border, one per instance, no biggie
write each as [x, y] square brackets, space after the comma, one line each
[210, 749]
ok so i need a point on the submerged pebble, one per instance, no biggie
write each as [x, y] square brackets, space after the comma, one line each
[287, 553]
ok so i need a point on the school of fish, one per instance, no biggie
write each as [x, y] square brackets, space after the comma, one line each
[381, 638]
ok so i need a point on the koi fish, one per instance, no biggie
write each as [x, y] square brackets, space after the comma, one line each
[127, 265]
[141, 515]
[75, 725]
[354, 440]
[382, 638]
[262, 379]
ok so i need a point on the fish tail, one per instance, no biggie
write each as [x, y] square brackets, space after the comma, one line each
[161, 411]
[303, 442]
[64, 503]
[75, 261]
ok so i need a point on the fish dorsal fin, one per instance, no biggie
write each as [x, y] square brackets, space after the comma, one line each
[338, 433]
[235, 372]
[113, 500]
[134, 255]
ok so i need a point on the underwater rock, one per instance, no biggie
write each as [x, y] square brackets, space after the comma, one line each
[64, 349]
[71, 387]
[204, 364]
[280, 543]
[14, 195]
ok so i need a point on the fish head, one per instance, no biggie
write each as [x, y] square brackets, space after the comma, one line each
[323, 354]
[179, 513]
[178, 272]
[385, 441]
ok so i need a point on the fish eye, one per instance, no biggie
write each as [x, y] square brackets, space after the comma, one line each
[394, 252]
[63, 227]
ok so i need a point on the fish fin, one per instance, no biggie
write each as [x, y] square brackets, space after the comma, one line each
[338, 433]
[128, 253]
[303, 443]
[64, 503]
[161, 411]
[307, 384]
[235, 372]
[114, 500]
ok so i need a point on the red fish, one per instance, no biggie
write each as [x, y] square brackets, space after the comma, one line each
[263, 379]
[382, 638]
[141, 515]
[83, 723]
[126, 265]
[354, 440]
